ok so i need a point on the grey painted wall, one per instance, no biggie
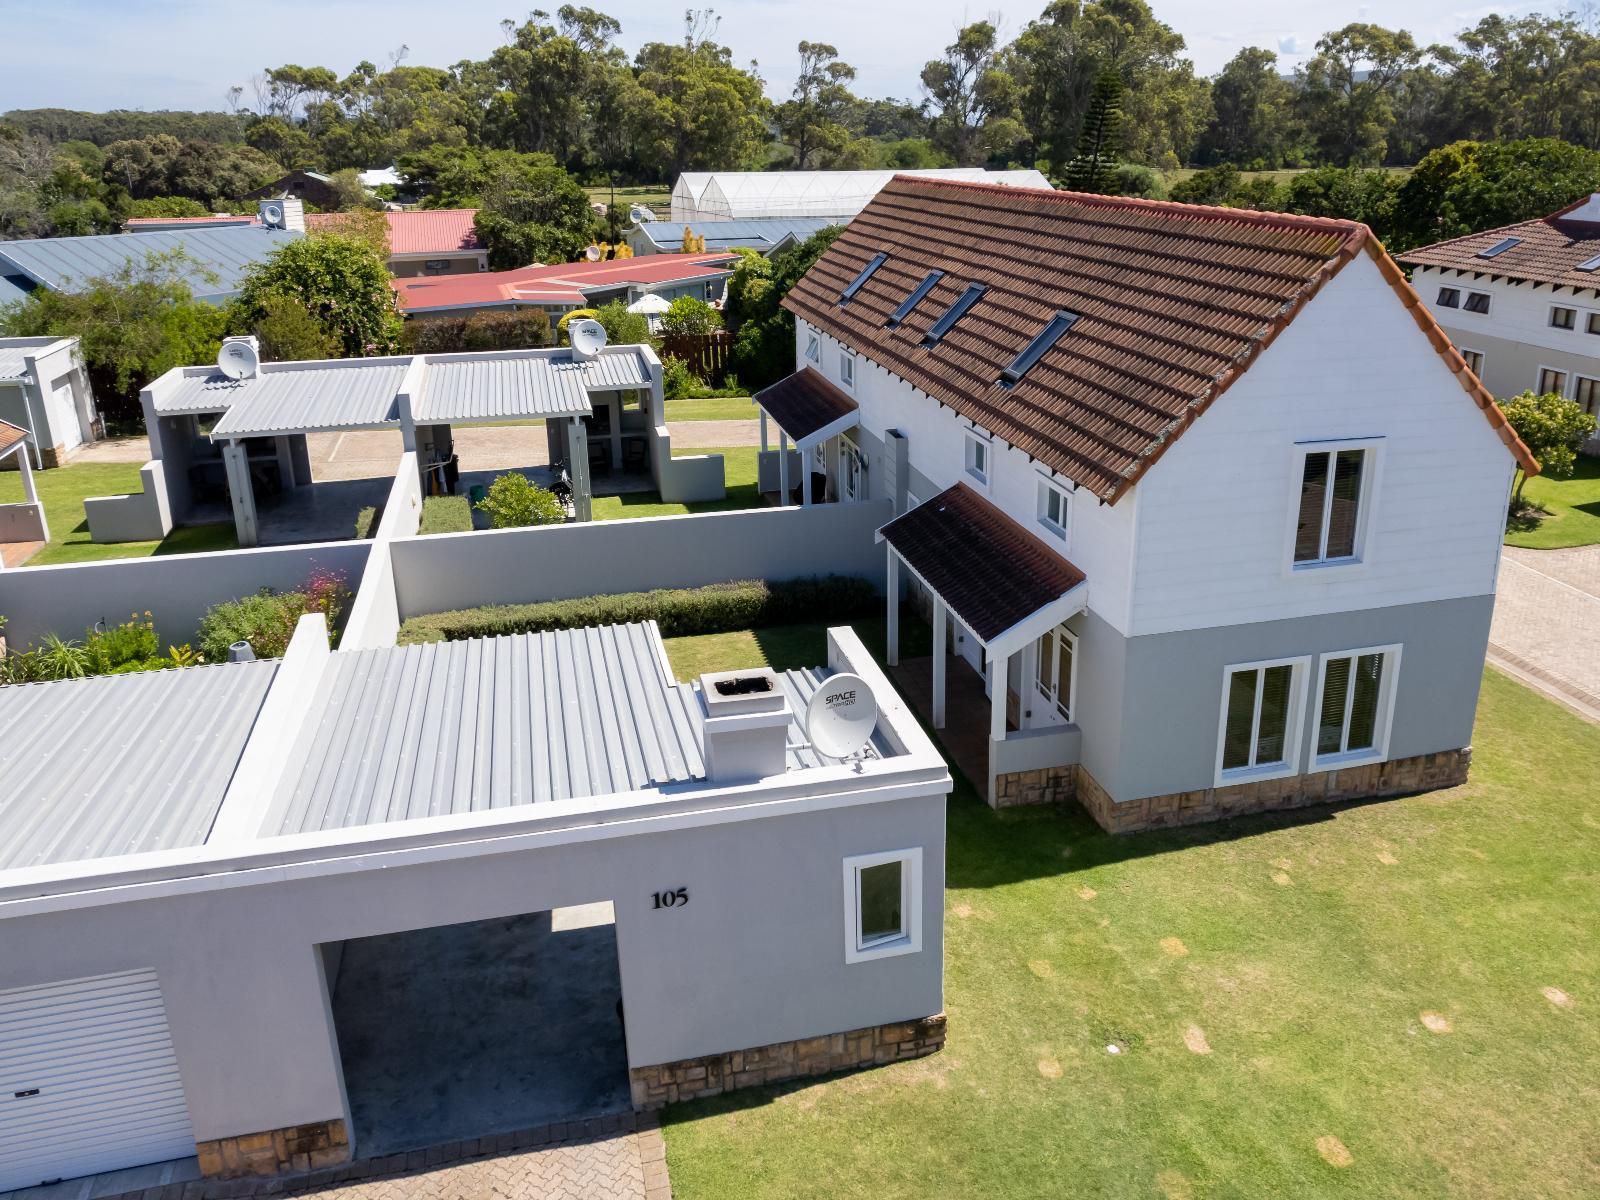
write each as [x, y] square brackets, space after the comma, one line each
[519, 566]
[176, 589]
[756, 956]
[1172, 687]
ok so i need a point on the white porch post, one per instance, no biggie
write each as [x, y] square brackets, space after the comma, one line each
[783, 467]
[29, 491]
[894, 608]
[242, 493]
[997, 696]
[805, 480]
[763, 413]
[938, 662]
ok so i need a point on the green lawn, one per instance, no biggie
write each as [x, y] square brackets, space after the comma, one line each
[62, 491]
[716, 408]
[656, 195]
[1573, 505]
[739, 464]
[1410, 989]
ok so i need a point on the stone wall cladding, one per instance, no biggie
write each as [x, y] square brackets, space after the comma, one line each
[1049, 785]
[276, 1151]
[1400, 777]
[692, 1078]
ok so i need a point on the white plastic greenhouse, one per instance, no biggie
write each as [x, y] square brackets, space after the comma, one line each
[750, 195]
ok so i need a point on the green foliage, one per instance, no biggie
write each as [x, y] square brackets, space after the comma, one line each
[976, 115]
[58, 659]
[532, 211]
[508, 329]
[690, 315]
[677, 380]
[747, 287]
[289, 333]
[1254, 122]
[1350, 88]
[341, 282]
[445, 514]
[1131, 179]
[1350, 193]
[132, 642]
[163, 166]
[623, 328]
[1553, 428]
[715, 608]
[514, 501]
[367, 521]
[266, 620]
[167, 206]
[1100, 143]
[814, 120]
[763, 346]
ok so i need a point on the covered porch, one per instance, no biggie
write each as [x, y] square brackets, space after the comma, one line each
[1000, 602]
[807, 410]
[22, 526]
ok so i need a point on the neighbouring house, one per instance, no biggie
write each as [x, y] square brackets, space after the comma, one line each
[767, 236]
[269, 916]
[562, 287]
[1203, 507]
[831, 196]
[311, 187]
[215, 257]
[45, 391]
[442, 241]
[1522, 303]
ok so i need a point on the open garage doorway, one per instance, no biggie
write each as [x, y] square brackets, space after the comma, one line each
[488, 1027]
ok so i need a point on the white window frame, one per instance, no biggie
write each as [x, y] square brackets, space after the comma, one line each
[1048, 488]
[1538, 379]
[814, 347]
[1439, 301]
[1576, 380]
[847, 369]
[852, 468]
[1591, 322]
[973, 446]
[1550, 319]
[1057, 635]
[910, 939]
[1383, 726]
[1476, 370]
[1488, 308]
[1365, 503]
[1300, 668]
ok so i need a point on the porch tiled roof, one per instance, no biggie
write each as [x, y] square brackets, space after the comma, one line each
[805, 402]
[990, 571]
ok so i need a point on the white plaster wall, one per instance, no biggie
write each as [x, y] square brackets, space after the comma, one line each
[1216, 512]
[1517, 312]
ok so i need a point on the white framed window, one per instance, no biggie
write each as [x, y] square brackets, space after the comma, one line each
[814, 348]
[882, 905]
[1477, 302]
[977, 458]
[1053, 508]
[1562, 317]
[1552, 380]
[851, 462]
[1586, 392]
[1354, 708]
[1335, 485]
[1258, 733]
[847, 369]
[1057, 676]
[1593, 323]
[1449, 297]
[1474, 360]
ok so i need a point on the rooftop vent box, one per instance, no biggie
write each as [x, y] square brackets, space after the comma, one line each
[747, 725]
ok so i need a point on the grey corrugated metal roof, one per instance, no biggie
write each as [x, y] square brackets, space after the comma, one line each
[13, 287]
[227, 253]
[12, 366]
[758, 234]
[500, 388]
[360, 394]
[121, 764]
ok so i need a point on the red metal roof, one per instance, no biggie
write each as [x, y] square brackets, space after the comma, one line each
[559, 283]
[419, 231]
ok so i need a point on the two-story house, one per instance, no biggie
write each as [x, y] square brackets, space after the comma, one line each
[1205, 496]
[1522, 303]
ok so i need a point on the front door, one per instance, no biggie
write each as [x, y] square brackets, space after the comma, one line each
[1057, 652]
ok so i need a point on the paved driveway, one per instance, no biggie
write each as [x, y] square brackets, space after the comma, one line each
[1546, 627]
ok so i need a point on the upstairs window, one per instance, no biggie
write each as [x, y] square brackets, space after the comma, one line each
[866, 273]
[1449, 297]
[1262, 705]
[883, 905]
[814, 348]
[1563, 318]
[954, 313]
[1333, 487]
[1586, 392]
[1355, 703]
[1474, 361]
[915, 298]
[977, 455]
[847, 369]
[1053, 508]
[1552, 380]
[1477, 302]
[1594, 323]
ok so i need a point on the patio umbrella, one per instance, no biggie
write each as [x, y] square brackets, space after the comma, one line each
[650, 304]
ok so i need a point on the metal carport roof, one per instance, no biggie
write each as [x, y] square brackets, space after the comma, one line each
[360, 394]
[459, 389]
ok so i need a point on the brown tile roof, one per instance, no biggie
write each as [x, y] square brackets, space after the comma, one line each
[1550, 251]
[990, 571]
[10, 435]
[805, 402]
[1175, 302]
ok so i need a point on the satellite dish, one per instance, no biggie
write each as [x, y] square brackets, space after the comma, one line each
[238, 358]
[592, 253]
[588, 337]
[272, 214]
[841, 716]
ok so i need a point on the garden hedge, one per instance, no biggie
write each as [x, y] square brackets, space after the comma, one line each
[715, 608]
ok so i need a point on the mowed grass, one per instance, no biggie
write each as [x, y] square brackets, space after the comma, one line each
[1400, 999]
[62, 491]
[713, 408]
[1573, 506]
[739, 468]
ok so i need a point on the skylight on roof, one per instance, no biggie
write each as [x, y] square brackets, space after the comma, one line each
[1500, 247]
[866, 273]
[914, 299]
[954, 313]
[1592, 264]
[1034, 350]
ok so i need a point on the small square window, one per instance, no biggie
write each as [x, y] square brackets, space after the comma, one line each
[814, 348]
[1474, 361]
[1053, 508]
[1449, 297]
[978, 459]
[847, 369]
[883, 905]
[1593, 325]
[1586, 393]
[1563, 318]
[1551, 380]
[1477, 302]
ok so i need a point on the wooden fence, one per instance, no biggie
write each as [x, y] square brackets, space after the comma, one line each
[707, 354]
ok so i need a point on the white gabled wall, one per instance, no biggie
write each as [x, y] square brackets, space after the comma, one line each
[1099, 536]
[1518, 312]
[1214, 512]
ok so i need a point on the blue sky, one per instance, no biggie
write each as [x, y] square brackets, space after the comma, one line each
[96, 54]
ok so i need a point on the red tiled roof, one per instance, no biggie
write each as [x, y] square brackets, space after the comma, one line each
[10, 435]
[1549, 251]
[991, 571]
[805, 402]
[558, 283]
[1174, 301]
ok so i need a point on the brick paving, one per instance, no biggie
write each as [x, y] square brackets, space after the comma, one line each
[1546, 628]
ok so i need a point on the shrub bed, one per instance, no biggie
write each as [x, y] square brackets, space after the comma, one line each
[714, 608]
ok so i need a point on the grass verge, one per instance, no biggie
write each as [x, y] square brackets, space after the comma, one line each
[1573, 506]
[714, 408]
[739, 464]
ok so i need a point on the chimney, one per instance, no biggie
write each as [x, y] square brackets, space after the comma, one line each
[283, 212]
[747, 725]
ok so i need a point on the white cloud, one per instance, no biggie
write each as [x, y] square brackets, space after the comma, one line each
[1289, 43]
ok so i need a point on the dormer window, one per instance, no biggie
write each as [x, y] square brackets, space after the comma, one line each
[954, 313]
[915, 298]
[1034, 350]
[866, 273]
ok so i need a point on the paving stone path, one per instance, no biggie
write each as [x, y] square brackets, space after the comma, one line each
[1546, 628]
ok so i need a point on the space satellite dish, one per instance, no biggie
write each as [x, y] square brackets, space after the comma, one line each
[238, 358]
[588, 337]
[592, 253]
[841, 716]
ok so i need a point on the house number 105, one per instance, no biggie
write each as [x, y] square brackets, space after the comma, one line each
[672, 899]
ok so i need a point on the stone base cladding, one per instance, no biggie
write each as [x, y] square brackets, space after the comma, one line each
[1424, 773]
[691, 1078]
[276, 1151]
[1049, 785]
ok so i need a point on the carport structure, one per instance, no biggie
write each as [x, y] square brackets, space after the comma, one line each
[809, 410]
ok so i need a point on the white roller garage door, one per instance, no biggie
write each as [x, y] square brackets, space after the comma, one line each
[88, 1080]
